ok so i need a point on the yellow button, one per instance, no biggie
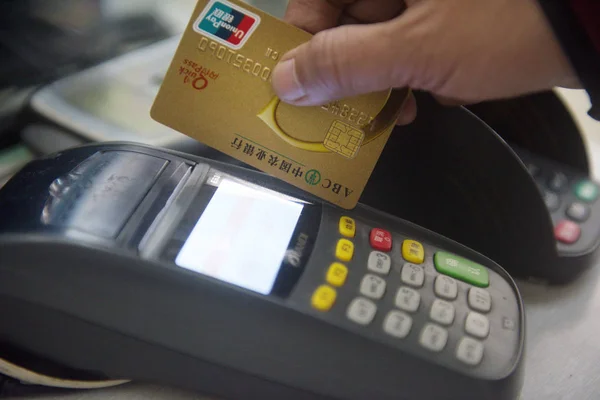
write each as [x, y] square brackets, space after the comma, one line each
[413, 252]
[323, 298]
[347, 227]
[344, 250]
[337, 273]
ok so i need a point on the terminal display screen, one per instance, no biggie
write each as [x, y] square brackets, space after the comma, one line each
[243, 236]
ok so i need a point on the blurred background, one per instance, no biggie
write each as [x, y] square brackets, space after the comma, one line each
[75, 71]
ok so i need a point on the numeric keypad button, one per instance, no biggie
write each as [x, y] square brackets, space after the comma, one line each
[433, 337]
[587, 191]
[380, 239]
[552, 200]
[442, 312]
[578, 211]
[323, 298]
[469, 351]
[407, 299]
[379, 262]
[397, 324]
[480, 299]
[477, 325]
[372, 286]
[344, 250]
[446, 287]
[567, 231]
[413, 251]
[558, 182]
[336, 274]
[361, 311]
[347, 227]
[413, 275]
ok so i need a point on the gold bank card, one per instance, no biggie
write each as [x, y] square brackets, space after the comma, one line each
[218, 91]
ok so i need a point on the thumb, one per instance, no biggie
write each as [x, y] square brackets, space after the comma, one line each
[340, 62]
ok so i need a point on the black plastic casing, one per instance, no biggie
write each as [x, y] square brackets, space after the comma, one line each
[455, 171]
[540, 127]
[573, 259]
[91, 297]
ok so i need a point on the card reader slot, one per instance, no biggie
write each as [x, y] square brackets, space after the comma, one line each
[172, 177]
[167, 220]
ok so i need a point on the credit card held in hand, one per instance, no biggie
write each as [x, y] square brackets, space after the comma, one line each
[218, 91]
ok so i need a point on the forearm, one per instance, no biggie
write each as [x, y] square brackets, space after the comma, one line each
[576, 24]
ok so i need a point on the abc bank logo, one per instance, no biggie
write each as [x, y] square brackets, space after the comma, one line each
[312, 177]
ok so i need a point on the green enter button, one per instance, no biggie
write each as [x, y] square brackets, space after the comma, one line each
[461, 268]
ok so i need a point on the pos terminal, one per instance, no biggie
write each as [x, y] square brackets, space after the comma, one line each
[149, 264]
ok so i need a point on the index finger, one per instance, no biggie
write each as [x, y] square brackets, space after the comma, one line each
[315, 15]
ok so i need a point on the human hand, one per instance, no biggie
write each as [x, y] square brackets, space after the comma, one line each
[461, 51]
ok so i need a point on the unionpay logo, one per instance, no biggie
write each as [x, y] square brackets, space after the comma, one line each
[226, 23]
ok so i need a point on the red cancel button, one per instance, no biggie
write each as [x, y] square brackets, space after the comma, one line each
[567, 231]
[381, 239]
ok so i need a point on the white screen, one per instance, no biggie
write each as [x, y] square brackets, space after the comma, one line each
[241, 237]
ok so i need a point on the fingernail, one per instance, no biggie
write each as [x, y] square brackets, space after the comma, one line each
[285, 81]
